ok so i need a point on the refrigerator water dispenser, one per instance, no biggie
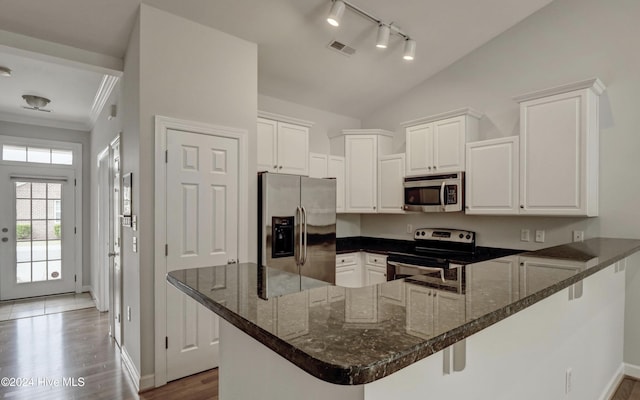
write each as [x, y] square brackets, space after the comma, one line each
[283, 237]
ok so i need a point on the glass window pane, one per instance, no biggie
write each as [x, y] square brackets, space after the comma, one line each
[38, 190]
[23, 251]
[14, 153]
[39, 272]
[39, 250]
[39, 230]
[23, 190]
[23, 230]
[64, 157]
[23, 209]
[54, 190]
[39, 209]
[54, 249]
[23, 272]
[55, 270]
[53, 209]
[53, 229]
[38, 155]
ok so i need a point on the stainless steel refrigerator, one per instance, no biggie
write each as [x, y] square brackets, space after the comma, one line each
[297, 225]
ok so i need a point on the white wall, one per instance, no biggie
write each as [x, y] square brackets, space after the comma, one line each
[64, 135]
[176, 68]
[567, 41]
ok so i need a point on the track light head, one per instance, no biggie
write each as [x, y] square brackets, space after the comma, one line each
[383, 36]
[409, 49]
[335, 15]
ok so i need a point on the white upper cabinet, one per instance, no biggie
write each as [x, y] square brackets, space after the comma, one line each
[283, 146]
[318, 165]
[361, 148]
[559, 137]
[390, 183]
[437, 143]
[336, 169]
[492, 176]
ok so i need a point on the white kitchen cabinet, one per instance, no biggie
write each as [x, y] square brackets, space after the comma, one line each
[336, 169]
[430, 311]
[492, 177]
[327, 166]
[318, 165]
[361, 305]
[449, 310]
[375, 269]
[349, 270]
[283, 147]
[537, 273]
[437, 143]
[361, 149]
[390, 184]
[559, 139]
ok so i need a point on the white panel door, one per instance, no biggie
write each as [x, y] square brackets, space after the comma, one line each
[37, 252]
[202, 223]
[448, 144]
[293, 149]
[361, 182]
[391, 184]
[419, 149]
[267, 159]
[492, 176]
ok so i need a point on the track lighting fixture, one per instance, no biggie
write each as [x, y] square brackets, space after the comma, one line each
[383, 36]
[409, 49]
[384, 29]
[335, 15]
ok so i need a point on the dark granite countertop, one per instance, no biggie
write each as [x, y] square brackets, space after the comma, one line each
[356, 336]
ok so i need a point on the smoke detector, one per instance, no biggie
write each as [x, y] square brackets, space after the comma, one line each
[36, 103]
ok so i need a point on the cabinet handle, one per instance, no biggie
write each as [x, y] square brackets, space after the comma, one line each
[275, 166]
[280, 167]
[374, 207]
[429, 167]
[521, 206]
[341, 260]
[434, 167]
[429, 294]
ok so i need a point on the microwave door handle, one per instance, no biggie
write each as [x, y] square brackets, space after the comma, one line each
[442, 187]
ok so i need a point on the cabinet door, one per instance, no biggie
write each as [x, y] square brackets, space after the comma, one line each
[449, 310]
[318, 165]
[293, 149]
[336, 170]
[492, 176]
[374, 274]
[267, 145]
[348, 276]
[361, 305]
[419, 149]
[538, 273]
[390, 183]
[420, 312]
[552, 155]
[361, 183]
[448, 144]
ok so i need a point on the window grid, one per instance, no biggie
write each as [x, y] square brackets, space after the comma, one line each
[37, 155]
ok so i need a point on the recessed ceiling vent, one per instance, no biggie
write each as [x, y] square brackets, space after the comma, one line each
[342, 48]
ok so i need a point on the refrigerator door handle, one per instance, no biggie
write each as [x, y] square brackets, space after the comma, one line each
[304, 219]
[298, 254]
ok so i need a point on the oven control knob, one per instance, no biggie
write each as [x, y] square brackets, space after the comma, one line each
[468, 237]
[461, 236]
[422, 233]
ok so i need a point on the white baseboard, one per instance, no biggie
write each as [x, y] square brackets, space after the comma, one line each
[131, 368]
[613, 384]
[86, 288]
[632, 370]
[147, 382]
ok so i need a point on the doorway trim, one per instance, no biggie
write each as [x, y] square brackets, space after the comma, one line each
[162, 125]
[77, 168]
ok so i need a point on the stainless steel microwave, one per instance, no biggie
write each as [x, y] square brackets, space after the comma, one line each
[434, 193]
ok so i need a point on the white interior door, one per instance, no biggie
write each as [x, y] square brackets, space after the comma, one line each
[115, 228]
[202, 230]
[37, 229]
[103, 259]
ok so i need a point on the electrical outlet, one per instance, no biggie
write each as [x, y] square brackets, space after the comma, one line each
[134, 242]
[578, 236]
[524, 235]
[128, 313]
[409, 228]
[540, 236]
[567, 382]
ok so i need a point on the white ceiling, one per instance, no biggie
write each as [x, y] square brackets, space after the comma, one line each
[294, 62]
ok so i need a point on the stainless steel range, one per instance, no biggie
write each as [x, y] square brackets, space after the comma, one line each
[437, 257]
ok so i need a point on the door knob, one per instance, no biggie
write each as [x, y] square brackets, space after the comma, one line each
[112, 254]
[5, 230]
[4, 239]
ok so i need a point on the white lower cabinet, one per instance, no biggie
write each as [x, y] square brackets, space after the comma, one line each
[349, 270]
[492, 176]
[431, 311]
[375, 269]
[494, 279]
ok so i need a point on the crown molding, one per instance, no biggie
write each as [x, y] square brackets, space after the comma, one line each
[102, 95]
[449, 114]
[594, 84]
[284, 118]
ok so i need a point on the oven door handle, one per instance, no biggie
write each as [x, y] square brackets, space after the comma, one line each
[442, 195]
[428, 269]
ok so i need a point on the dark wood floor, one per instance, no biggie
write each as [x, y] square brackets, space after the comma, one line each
[76, 344]
[629, 389]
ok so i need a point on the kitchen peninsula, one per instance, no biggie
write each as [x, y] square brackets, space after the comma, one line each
[521, 320]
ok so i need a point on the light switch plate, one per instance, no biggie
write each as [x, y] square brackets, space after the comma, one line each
[540, 236]
[134, 222]
[524, 235]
